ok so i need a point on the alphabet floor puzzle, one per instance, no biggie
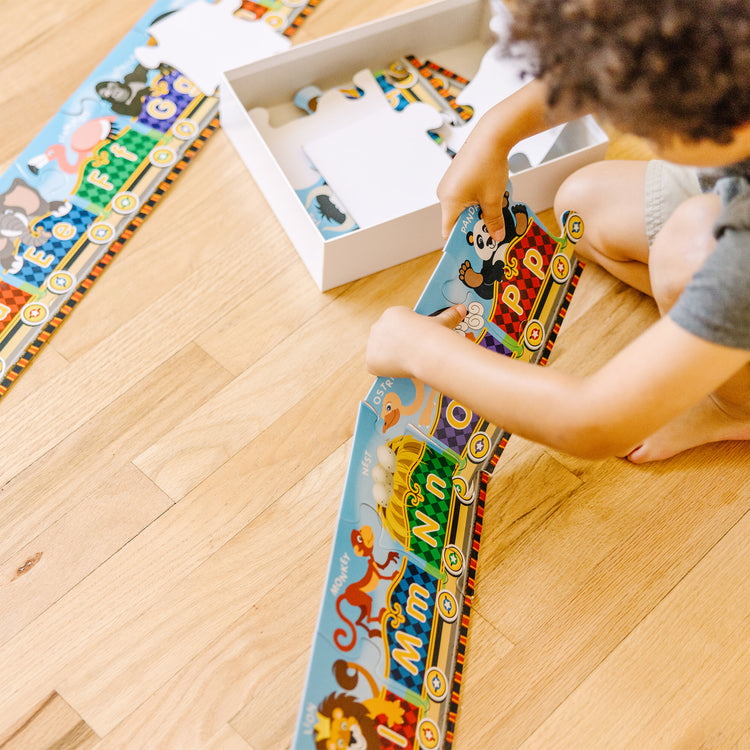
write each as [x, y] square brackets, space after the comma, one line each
[81, 188]
[386, 664]
[387, 657]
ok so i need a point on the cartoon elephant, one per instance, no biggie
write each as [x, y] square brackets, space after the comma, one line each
[21, 206]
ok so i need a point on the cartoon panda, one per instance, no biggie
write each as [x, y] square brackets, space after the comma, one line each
[490, 252]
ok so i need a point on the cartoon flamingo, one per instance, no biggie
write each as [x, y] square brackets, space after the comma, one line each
[393, 408]
[82, 142]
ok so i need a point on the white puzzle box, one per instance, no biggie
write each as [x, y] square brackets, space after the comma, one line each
[348, 136]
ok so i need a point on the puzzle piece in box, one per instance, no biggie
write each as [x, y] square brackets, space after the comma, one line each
[446, 85]
[286, 142]
[326, 210]
[333, 107]
[403, 84]
[382, 166]
[203, 39]
[499, 76]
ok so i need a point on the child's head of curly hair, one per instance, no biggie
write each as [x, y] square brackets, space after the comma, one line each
[657, 68]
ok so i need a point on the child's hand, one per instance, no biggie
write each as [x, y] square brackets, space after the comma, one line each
[477, 175]
[479, 172]
[398, 337]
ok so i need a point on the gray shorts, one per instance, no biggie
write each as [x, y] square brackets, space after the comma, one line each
[667, 185]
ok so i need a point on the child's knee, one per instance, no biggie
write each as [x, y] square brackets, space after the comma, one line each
[590, 192]
[578, 191]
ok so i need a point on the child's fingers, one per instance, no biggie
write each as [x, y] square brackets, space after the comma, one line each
[451, 317]
[450, 214]
[495, 224]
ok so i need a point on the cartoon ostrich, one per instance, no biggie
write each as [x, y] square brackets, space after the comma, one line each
[82, 142]
[393, 408]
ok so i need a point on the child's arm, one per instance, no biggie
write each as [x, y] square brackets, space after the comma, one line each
[479, 172]
[651, 381]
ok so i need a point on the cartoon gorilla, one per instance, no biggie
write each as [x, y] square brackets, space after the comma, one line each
[126, 97]
[490, 252]
[20, 207]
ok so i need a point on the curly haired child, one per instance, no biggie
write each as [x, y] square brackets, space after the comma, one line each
[676, 72]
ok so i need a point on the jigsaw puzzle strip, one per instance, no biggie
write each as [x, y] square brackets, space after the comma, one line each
[50, 327]
[66, 217]
[392, 634]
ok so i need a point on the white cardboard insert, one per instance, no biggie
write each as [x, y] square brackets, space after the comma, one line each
[454, 33]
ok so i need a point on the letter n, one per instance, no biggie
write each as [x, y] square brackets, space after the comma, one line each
[429, 526]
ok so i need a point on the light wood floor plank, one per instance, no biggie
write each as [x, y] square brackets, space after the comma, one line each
[52, 725]
[693, 689]
[282, 302]
[267, 719]
[237, 414]
[49, 365]
[611, 606]
[612, 559]
[52, 486]
[231, 656]
[65, 553]
[227, 739]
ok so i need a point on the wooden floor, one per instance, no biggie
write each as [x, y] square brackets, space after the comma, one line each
[171, 467]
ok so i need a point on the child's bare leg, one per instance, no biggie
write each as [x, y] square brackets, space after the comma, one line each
[615, 237]
[615, 229]
[677, 252]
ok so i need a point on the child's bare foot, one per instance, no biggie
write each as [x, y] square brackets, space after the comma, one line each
[706, 422]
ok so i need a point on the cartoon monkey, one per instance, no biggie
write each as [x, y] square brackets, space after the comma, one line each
[345, 722]
[358, 594]
[20, 207]
[492, 253]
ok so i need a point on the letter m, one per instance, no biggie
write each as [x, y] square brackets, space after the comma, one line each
[417, 603]
[407, 655]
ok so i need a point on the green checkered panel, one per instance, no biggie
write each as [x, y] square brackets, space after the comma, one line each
[429, 506]
[108, 171]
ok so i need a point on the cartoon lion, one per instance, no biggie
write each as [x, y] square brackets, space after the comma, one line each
[344, 721]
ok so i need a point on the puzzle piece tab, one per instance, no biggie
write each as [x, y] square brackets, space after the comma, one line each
[204, 39]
